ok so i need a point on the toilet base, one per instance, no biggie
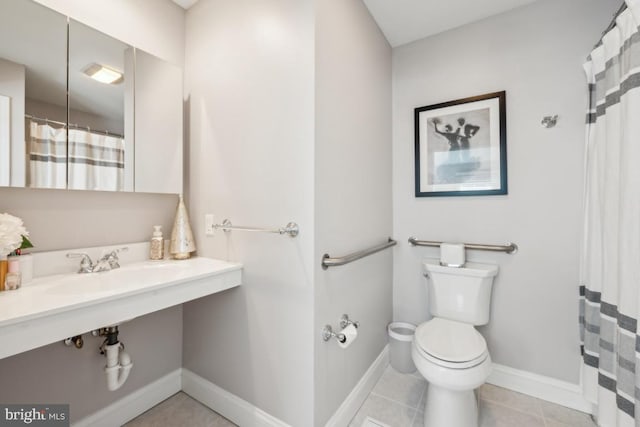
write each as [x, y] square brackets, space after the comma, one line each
[449, 408]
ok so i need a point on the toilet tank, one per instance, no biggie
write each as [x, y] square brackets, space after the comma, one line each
[462, 294]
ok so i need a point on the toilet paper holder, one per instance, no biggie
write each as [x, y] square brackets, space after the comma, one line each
[345, 321]
[328, 333]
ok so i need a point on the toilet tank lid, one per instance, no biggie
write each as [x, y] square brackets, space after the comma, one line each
[474, 269]
[450, 340]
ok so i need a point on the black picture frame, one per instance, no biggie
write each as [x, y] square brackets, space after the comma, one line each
[461, 147]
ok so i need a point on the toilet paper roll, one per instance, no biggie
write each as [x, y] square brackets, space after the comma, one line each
[452, 254]
[350, 333]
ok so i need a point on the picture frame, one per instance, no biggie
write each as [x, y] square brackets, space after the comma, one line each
[461, 147]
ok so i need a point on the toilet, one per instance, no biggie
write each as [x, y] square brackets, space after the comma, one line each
[448, 350]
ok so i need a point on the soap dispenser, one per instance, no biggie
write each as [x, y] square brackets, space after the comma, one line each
[156, 250]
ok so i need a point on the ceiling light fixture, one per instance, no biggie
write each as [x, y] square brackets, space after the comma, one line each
[104, 74]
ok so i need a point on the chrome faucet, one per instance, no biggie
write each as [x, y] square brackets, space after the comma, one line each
[108, 262]
[86, 265]
[111, 260]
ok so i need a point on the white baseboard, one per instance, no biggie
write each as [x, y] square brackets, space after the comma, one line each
[359, 394]
[226, 404]
[134, 404]
[245, 414]
[545, 388]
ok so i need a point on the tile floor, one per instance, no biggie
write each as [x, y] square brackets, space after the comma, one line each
[398, 401]
[180, 410]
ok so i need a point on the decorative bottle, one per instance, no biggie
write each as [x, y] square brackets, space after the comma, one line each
[156, 250]
[182, 242]
[13, 278]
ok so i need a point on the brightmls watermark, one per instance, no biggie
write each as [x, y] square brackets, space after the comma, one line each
[34, 415]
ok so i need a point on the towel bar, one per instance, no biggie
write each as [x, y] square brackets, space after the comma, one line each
[291, 228]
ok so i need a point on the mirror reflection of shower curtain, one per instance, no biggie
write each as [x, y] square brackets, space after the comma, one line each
[96, 162]
[47, 156]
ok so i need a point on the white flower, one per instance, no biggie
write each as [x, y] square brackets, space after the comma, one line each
[11, 232]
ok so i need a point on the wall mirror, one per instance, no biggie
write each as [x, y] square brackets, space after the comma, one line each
[101, 81]
[33, 71]
[158, 125]
[99, 115]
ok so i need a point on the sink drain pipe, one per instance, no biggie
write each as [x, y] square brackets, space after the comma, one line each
[119, 363]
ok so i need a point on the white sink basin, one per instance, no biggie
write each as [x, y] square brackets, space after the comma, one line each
[126, 278]
[74, 285]
[58, 306]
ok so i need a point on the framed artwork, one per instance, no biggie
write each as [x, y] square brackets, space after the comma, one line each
[461, 147]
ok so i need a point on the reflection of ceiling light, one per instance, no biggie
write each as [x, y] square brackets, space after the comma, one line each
[104, 74]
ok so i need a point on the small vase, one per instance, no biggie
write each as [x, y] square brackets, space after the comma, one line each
[182, 242]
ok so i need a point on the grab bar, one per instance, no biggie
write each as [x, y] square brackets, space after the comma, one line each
[510, 248]
[291, 228]
[327, 261]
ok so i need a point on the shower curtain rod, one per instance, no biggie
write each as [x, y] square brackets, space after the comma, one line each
[612, 24]
[87, 128]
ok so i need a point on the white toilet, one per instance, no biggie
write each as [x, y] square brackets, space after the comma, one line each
[447, 350]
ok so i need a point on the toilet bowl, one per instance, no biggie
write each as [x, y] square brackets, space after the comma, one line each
[447, 350]
[453, 358]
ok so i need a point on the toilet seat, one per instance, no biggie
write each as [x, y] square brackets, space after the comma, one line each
[451, 344]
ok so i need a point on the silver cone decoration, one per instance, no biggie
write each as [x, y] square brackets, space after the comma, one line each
[182, 243]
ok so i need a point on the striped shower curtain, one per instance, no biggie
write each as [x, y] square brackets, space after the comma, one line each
[610, 270]
[96, 161]
[47, 156]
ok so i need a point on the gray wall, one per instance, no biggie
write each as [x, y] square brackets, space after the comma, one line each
[254, 158]
[59, 374]
[68, 219]
[535, 53]
[249, 81]
[352, 193]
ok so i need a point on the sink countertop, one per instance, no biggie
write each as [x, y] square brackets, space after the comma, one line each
[63, 305]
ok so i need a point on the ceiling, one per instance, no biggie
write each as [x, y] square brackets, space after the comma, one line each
[186, 4]
[404, 21]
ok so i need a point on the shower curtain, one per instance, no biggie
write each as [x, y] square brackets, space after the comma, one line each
[96, 161]
[47, 156]
[610, 267]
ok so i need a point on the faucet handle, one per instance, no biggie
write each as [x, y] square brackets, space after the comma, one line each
[112, 257]
[114, 253]
[86, 265]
